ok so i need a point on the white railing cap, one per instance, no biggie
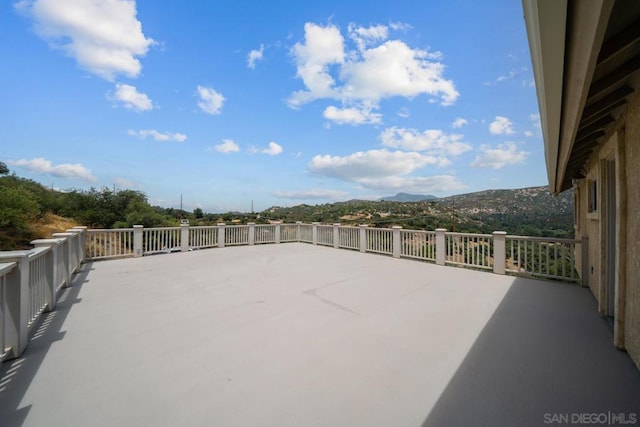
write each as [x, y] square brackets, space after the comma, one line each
[49, 242]
[6, 267]
[64, 234]
[13, 255]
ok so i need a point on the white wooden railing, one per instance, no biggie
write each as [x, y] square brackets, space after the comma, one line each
[29, 280]
[532, 256]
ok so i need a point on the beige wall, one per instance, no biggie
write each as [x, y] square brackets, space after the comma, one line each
[623, 144]
[632, 250]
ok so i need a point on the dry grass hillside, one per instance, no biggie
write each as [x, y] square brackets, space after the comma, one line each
[39, 229]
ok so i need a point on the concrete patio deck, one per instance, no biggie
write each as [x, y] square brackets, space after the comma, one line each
[301, 335]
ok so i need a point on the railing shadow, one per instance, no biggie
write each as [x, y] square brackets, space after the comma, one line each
[16, 375]
[545, 357]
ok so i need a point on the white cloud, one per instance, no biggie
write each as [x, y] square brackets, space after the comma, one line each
[513, 73]
[130, 97]
[369, 164]
[400, 26]
[103, 36]
[227, 146]
[433, 141]
[501, 126]
[313, 194]
[534, 119]
[65, 170]
[323, 46]
[254, 56]
[394, 69]
[375, 70]
[459, 122]
[273, 149]
[158, 136]
[352, 116]
[404, 112]
[210, 101]
[418, 184]
[364, 37]
[499, 157]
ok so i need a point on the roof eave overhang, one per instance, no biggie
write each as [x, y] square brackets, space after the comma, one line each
[565, 38]
[546, 23]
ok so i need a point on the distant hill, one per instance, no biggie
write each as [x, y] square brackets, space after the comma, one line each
[532, 211]
[405, 197]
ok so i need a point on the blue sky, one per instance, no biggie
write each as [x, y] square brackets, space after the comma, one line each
[281, 103]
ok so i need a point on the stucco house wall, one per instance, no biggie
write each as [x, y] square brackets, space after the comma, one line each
[623, 144]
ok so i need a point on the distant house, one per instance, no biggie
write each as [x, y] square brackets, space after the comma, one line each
[586, 61]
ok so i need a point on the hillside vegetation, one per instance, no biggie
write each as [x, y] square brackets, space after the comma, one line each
[30, 211]
[530, 211]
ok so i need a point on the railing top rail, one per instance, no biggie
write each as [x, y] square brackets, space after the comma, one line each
[409, 230]
[11, 255]
[111, 229]
[453, 233]
[6, 267]
[38, 252]
[161, 228]
[543, 239]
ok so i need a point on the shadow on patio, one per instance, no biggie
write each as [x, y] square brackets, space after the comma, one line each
[545, 354]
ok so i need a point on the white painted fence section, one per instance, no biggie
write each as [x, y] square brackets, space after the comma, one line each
[5, 269]
[40, 265]
[29, 281]
[161, 240]
[418, 244]
[349, 238]
[236, 235]
[380, 241]
[265, 233]
[101, 243]
[542, 257]
[289, 233]
[306, 233]
[325, 235]
[202, 237]
[473, 250]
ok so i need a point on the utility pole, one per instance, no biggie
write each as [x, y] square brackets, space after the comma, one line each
[453, 228]
[252, 206]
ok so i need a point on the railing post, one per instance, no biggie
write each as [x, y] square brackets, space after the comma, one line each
[278, 228]
[363, 237]
[584, 243]
[70, 256]
[76, 242]
[396, 240]
[52, 270]
[314, 233]
[221, 234]
[184, 237]
[298, 232]
[137, 240]
[82, 230]
[441, 247]
[17, 303]
[336, 235]
[252, 233]
[499, 252]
